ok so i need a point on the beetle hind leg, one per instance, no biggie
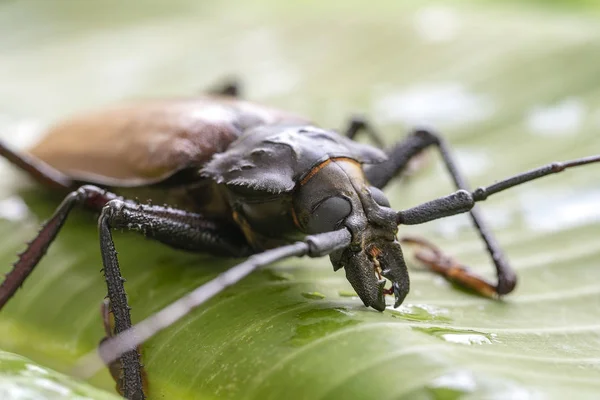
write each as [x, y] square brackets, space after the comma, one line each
[358, 124]
[230, 87]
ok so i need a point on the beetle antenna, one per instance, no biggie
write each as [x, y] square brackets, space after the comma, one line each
[463, 201]
[483, 193]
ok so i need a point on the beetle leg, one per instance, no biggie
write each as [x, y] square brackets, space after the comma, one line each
[230, 87]
[399, 156]
[450, 269]
[90, 196]
[171, 226]
[403, 152]
[178, 228]
[359, 124]
[464, 201]
[39, 170]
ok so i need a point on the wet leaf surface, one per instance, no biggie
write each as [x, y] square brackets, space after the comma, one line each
[22, 379]
[511, 88]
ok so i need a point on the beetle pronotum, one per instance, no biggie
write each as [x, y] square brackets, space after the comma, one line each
[252, 181]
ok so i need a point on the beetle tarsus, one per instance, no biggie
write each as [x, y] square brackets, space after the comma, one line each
[116, 367]
[445, 266]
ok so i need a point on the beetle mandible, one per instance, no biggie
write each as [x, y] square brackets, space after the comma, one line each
[251, 181]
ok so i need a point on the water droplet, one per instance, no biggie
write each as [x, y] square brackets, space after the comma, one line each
[420, 312]
[452, 385]
[316, 323]
[344, 311]
[313, 295]
[460, 384]
[466, 337]
[52, 387]
[275, 275]
[36, 369]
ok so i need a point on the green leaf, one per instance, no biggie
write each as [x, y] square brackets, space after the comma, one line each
[510, 88]
[20, 378]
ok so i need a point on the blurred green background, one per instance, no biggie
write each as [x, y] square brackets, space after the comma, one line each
[512, 85]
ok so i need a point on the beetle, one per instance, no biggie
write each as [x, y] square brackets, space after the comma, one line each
[250, 181]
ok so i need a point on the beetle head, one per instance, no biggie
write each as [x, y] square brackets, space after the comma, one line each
[337, 196]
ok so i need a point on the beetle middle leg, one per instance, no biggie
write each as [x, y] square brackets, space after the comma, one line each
[178, 228]
[399, 156]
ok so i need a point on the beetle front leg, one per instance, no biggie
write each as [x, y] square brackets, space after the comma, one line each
[399, 157]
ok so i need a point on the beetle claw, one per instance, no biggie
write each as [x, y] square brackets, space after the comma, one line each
[398, 294]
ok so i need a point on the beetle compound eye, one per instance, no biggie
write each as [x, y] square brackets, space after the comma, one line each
[379, 197]
[328, 214]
